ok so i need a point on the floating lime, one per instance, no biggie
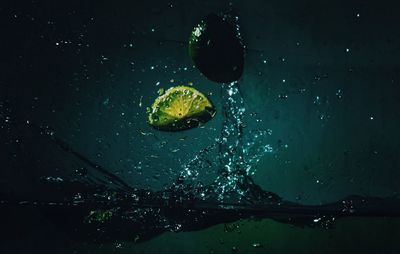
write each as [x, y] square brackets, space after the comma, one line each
[180, 108]
[216, 49]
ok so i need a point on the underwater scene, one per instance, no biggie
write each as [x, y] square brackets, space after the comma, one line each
[171, 126]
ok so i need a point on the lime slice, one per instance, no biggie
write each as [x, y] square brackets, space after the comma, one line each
[180, 108]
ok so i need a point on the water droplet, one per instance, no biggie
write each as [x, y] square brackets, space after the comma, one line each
[339, 93]
[317, 220]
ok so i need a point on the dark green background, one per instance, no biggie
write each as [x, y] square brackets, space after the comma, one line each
[325, 80]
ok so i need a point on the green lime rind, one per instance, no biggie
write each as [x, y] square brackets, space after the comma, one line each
[180, 108]
[99, 216]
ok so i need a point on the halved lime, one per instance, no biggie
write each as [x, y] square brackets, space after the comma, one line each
[180, 108]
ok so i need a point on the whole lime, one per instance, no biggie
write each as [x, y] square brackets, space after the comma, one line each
[216, 49]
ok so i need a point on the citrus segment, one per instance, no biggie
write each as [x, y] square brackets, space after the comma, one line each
[180, 108]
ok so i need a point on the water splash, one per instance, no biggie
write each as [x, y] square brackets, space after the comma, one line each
[235, 153]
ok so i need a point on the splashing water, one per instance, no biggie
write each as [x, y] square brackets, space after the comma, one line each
[234, 154]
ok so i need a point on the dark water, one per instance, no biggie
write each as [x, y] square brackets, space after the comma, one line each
[313, 119]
